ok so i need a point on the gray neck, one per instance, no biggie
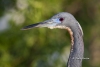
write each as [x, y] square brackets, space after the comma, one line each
[77, 49]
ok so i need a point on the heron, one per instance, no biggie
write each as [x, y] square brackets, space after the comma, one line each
[65, 20]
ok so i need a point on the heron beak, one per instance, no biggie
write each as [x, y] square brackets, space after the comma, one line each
[48, 23]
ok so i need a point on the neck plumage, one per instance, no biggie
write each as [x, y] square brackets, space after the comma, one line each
[77, 48]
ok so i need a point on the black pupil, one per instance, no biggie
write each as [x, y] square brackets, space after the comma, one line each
[61, 19]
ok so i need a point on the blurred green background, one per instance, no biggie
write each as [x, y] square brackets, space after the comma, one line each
[42, 47]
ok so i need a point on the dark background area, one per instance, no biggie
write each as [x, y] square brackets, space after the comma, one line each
[43, 47]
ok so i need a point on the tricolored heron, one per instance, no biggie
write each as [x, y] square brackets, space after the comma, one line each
[67, 21]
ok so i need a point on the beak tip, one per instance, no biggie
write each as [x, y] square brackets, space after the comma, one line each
[23, 29]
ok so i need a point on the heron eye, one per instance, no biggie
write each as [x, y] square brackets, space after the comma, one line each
[61, 19]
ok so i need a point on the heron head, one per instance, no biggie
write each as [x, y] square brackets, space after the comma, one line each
[60, 20]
